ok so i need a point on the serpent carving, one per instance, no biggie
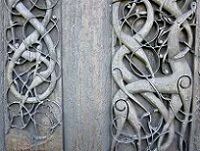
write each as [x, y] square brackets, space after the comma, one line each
[152, 71]
[32, 66]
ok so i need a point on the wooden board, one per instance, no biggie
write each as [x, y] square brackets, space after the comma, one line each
[86, 67]
[2, 145]
[195, 133]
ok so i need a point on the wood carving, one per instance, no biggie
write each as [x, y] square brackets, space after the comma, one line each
[153, 71]
[32, 67]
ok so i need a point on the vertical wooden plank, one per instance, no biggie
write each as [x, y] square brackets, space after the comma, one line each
[195, 126]
[2, 142]
[86, 70]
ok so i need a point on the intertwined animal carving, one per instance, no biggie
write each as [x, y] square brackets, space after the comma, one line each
[159, 83]
[32, 66]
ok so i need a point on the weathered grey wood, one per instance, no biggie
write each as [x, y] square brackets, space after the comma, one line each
[86, 67]
[125, 110]
[195, 130]
[2, 142]
[27, 138]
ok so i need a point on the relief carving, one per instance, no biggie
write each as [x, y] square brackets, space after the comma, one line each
[32, 67]
[153, 69]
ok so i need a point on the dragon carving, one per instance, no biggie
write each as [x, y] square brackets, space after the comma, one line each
[32, 67]
[151, 68]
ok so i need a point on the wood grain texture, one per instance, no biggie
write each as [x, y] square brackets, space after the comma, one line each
[2, 142]
[195, 126]
[86, 64]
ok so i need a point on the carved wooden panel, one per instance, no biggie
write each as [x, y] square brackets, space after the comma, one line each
[32, 75]
[153, 68]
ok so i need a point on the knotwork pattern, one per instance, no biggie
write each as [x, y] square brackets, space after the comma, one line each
[32, 37]
[153, 69]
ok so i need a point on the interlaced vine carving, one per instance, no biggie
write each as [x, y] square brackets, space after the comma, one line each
[152, 68]
[32, 67]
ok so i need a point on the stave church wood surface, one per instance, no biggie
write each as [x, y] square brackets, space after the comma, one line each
[99, 75]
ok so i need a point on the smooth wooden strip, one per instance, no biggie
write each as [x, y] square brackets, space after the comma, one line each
[87, 36]
[195, 126]
[2, 140]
